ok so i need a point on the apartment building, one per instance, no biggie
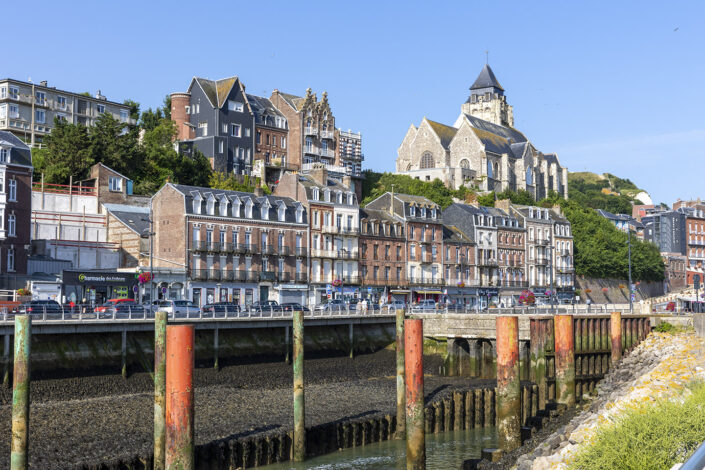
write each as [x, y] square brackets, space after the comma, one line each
[423, 226]
[28, 110]
[15, 209]
[215, 117]
[271, 140]
[382, 255]
[233, 246]
[350, 156]
[676, 271]
[538, 223]
[695, 240]
[334, 230]
[459, 277]
[562, 256]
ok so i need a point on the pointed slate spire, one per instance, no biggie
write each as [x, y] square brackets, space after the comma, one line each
[486, 79]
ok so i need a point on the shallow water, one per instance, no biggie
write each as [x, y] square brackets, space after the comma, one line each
[445, 450]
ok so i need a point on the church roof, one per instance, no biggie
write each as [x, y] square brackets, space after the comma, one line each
[445, 133]
[486, 79]
[493, 143]
[509, 133]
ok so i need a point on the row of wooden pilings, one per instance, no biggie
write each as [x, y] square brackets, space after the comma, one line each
[174, 354]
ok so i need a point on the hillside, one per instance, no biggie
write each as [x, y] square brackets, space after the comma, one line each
[606, 191]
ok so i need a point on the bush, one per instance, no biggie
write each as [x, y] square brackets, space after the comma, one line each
[664, 327]
[648, 437]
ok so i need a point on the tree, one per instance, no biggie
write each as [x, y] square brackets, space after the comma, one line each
[134, 109]
[434, 190]
[67, 153]
[219, 180]
[114, 144]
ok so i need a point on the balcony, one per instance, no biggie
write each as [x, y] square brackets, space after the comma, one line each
[301, 278]
[283, 250]
[324, 253]
[488, 262]
[350, 280]
[311, 131]
[226, 247]
[426, 259]
[239, 275]
[200, 246]
[511, 284]
[345, 254]
[301, 251]
[268, 250]
[350, 231]
[284, 277]
[251, 276]
[330, 229]
[567, 270]
[327, 135]
[312, 150]
[543, 242]
[250, 248]
[541, 261]
[267, 276]
[564, 253]
[214, 275]
[213, 247]
[199, 274]
[328, 153]
[466, 282]
[426, 281]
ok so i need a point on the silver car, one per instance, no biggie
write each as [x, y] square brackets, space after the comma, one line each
[180, 308]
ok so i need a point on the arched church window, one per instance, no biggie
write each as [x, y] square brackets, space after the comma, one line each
[496, 170]
[490, 172]
[465, 164]
[529, 176]
[427, 160]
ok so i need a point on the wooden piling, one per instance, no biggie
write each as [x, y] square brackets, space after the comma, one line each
[20, 393]
[401, 397]
[508, 383]
[179, 403]
[565, 359]
[616, 337]
[299, 443]
[415, 432]
[160, 321]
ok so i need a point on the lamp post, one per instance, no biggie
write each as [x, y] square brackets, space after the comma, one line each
[629, 251]
[151, 257]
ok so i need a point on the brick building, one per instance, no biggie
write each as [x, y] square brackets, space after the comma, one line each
[15, 210]
[423, 226]
[459, 269]
[334, 230]
[382, 254]
[676, 271]
[233, 246]
[271, 140]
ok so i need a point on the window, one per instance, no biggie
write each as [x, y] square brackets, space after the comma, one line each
[309, 144]
[427, 161]
[196, 233]
[350, 199]
[283, 142]
[40, 97]
[235, 106]
[202, 129]
[248, 209]
[221, 234]
[124, 115]
[221, 146]
[11, 225]
[315, 194]
[61, 102]
[115, 183]
[4, 154]
[3, 111]
[100, 108]
[12, 190]
[247, 132]
[61, 117]
[412, 211]
[40, 116]
[236, 130]
[281, 213]
[3, 92]
[14, 92]
[11, 259]
[14, 111]
[264, 211]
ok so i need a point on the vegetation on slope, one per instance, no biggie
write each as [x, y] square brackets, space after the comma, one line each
[587, 189]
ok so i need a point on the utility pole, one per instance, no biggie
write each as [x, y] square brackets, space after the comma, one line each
[629, 248]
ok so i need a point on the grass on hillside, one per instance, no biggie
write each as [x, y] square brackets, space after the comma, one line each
[649, 437]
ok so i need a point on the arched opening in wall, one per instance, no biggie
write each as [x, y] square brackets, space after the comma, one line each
[464, 366]
[490, 169]
[465, 164]
[427, 160]
[496, 170]
[529, 176]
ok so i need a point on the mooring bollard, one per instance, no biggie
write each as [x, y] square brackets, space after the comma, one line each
[565, 359]
[179, 404]
[299, 443]
[616, 337]
[160, 319]
[401, 398]
[537, 339]
[20, 393]
[415, 419]
[508, 384]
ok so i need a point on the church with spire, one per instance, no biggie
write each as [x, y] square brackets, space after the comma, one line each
[482, 149]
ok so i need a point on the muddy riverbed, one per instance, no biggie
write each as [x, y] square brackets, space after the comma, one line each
[99, 418]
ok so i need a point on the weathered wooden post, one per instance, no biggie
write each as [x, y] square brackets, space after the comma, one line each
[160, 319]
[123, 351]
[299, 444]
[6, 361]
[216, 346]
[508, 383]
[415, 419]
[20, 393]
[287, 338]
[537, 340]
[616, 337]
[401, 400]
[565, 359]
[179, 404]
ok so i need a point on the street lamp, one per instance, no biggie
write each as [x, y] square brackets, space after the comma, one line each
[151, 256]
[629, 245]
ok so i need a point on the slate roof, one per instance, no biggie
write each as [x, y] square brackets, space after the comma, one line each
[486, 79]
[332, 184]
[131, 217]
[550, 158]
[216, 90]
[376, 214]
[261, 106]
[20, 153]
[509, 133]
[451, 233]
[494, 143]
[419, 200]
[445, 133]
[289, 215]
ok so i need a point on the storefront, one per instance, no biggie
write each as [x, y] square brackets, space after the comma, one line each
[419, 295]
[488, 297]
[95, 287]
[202, 293]
[566, 295]
[400, 295]
[291, 293]
[465, 296]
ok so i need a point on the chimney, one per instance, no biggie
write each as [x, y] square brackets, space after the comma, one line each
[347, 181]
[43, 83]
[558, 209]
[319, 174]
[503, 204]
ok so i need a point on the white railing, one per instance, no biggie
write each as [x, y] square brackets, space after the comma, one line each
[334, 168]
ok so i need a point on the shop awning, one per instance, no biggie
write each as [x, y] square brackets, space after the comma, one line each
[437, 292]
[400, 291]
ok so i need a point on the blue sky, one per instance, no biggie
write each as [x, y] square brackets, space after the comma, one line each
[610, 86]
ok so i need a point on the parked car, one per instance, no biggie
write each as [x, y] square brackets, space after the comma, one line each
[220, 309]
[129, 309]
[395, 305]
[40, 307]
[179, 308]
[424, 306]
[265, 306]
[335, 305]
[291, 307]
[109, 304]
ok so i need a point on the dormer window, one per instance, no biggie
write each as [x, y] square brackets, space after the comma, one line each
[299, 214]
[412, 211]
[210, 204]
[248, 208]
[223, 206]
[350, 199]
[281, 211]
[531, 213]
[4, 155]
[264, 210]
[433, 213]
[339, 198]
[197, 200]
[326, 195]
[236, 206]
[423, 212]
[315, 194]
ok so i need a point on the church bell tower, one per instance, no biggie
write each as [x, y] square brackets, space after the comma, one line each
[487, 100]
